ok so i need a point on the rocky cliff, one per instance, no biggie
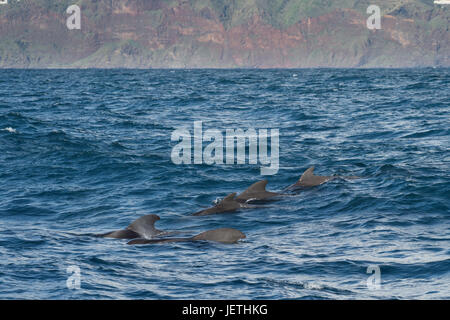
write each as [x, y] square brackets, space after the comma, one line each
[223, 34]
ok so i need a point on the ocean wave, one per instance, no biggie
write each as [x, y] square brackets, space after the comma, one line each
[93, 154]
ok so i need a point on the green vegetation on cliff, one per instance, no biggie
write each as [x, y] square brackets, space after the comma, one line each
[224, 33]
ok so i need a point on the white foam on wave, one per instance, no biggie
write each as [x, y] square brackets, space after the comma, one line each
[9, 129]
[313, 286]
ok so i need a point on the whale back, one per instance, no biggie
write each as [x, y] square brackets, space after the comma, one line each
[229, 198]
[120, 234]
[152, 241]
[228, 204]
[223, 235]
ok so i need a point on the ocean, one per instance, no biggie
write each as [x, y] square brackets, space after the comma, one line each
[89, 151]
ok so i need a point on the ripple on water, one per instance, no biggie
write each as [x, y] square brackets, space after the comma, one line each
[89, 151]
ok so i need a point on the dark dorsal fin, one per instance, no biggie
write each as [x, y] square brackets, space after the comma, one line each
[229, 197]
[145, 226]
[259, 186]
[307, 174]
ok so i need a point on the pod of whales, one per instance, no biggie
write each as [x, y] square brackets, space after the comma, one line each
[258, 192]
[232, 203]
[143, 231]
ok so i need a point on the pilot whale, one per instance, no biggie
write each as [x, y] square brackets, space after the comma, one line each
[144, 227]
[309, 179]
[222, 235]
[228, 204]
[256, 191]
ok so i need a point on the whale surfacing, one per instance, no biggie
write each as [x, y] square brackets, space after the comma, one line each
[228, 204]
[256, 191]
[144, 227]
[309, 179]
[222, 235]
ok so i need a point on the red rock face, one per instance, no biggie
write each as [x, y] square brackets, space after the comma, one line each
[159, 33]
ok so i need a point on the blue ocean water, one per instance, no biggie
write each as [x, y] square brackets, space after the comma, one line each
[89, 151]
